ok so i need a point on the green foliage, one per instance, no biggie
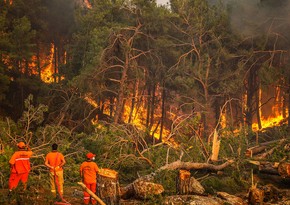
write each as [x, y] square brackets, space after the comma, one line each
[187, 57]
[22, 37]
[32, 115]
[227, 184]
[167, 179]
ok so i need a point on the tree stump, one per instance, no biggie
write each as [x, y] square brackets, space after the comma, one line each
[256, 196]
[108, 188]
[187, 184]
[183, 181]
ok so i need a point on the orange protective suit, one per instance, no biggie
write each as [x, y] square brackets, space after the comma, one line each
[88, 171]
[20, 168]
[55, 159]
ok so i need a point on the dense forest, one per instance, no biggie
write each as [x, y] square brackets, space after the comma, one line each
[143, 85]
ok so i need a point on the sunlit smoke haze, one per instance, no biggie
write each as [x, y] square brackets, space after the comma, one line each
[252, 17]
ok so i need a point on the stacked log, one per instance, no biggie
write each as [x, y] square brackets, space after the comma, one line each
[108, 186]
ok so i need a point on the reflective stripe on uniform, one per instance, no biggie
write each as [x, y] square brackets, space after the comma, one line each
[21, 159]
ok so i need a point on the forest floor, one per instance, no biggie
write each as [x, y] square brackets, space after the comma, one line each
[74, 195]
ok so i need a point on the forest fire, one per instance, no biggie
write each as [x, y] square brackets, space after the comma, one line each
[10, 2]
[269, 122]
[87, 4]
[135, 117]
[48, 71]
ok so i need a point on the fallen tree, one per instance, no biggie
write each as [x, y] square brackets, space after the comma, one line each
[144, 186]
[195, 165]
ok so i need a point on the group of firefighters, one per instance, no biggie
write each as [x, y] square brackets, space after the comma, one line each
[54, 160]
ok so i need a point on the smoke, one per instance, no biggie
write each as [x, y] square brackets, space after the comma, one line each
[256, 17]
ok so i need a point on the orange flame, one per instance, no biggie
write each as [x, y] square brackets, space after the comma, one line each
[137, 118]
[10, 2]
[47, 72]
[87, 4]
[276, 117]
[275, 120]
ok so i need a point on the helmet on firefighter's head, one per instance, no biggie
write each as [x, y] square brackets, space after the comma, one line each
[90, 155]
[21, 145]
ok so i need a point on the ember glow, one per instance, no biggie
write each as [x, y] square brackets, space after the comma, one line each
[87, 4]
[10, 2]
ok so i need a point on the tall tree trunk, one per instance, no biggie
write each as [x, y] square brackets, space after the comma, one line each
[250, 94]
[121, 93]
[111, 106]
[258, 106]
[133, 101]
[148, 106]
[55, 62]
[38, 61]
[152, 102]
[163, 113]
[288, 104]
[26, 70]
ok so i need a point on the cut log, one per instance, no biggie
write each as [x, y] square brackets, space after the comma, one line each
[266, 167]
[108, 188]
[284, 169]
[262, 147]
[231, 199]
[194, 165]
[141, 189]
[272, 193]
[188, 185]
[193, 199]
[255, 150]
[91, 193]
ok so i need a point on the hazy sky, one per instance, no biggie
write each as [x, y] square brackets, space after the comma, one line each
[162, 1]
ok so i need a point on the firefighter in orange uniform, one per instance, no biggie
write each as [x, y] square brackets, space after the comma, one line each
[54, 160]
[88, 172]
[20, 166]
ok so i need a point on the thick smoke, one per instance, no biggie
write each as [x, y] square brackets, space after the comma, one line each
[256, 17]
